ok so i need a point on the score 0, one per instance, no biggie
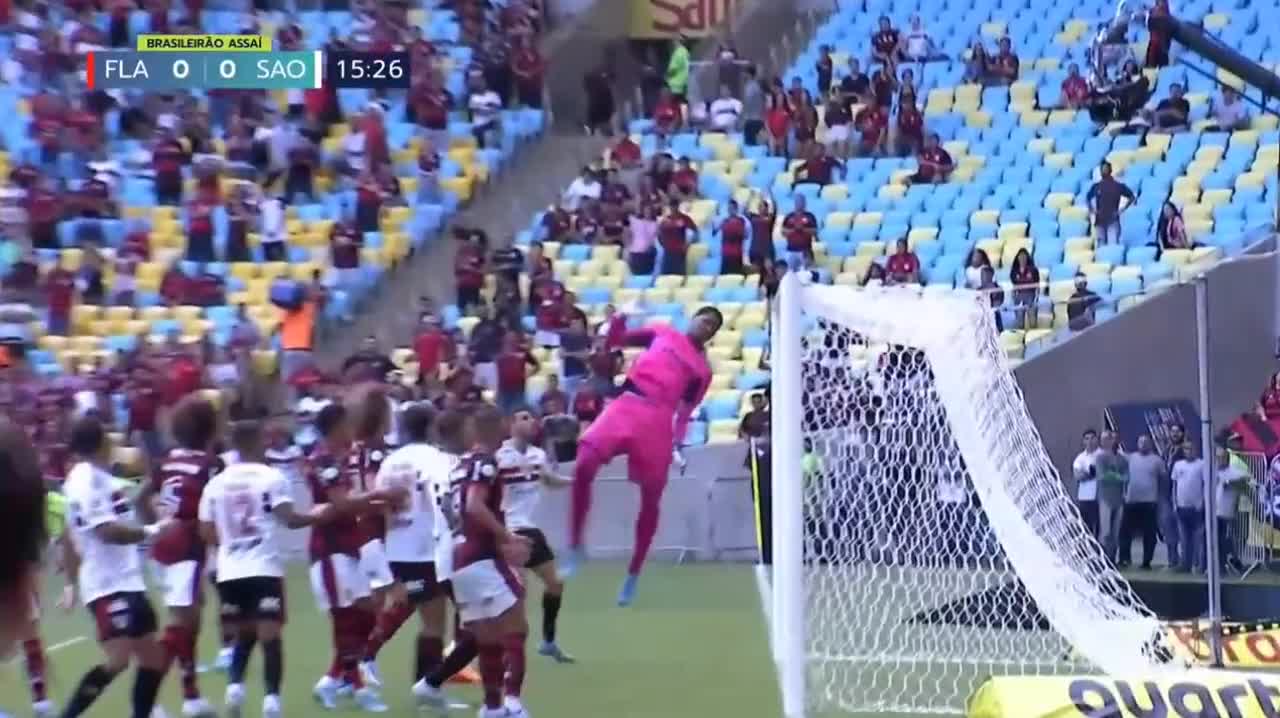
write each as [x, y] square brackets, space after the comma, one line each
[182, 69]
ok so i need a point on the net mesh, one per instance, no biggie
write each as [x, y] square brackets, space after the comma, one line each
[940, 545]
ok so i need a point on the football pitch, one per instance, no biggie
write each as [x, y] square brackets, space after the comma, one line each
[693, 646]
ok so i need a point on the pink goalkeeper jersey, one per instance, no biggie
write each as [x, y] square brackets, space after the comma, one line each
[672, 372]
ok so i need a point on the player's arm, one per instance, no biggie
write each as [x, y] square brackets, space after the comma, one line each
[208, 530]
[70, 559]
[145, 503]
[286, 514]
[513, 546]
[553, 478]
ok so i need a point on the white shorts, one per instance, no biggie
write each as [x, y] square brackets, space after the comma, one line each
[374, 565]
[546, 338]
[839, 133]
[338, 582]
[485, 590]
[183, 582]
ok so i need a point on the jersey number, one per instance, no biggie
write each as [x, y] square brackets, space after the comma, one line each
[242, 515]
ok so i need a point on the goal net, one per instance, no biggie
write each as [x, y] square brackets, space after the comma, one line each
[930, 542]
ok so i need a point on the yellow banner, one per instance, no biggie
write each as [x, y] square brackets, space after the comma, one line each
[1204, 694]
[204, 43]
[671, 18]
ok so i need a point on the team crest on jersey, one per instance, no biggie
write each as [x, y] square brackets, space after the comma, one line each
[487, 470]
[375, 455]
[329, 473]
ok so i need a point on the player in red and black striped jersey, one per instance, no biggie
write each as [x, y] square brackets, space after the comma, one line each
[486, 586]
[177, 485]
[339, 585]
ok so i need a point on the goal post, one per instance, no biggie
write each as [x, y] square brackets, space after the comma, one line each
[923, 540]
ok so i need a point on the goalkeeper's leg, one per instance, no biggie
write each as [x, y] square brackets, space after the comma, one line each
[648, 469]
[606, 435]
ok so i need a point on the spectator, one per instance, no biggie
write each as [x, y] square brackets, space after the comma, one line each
[1158, 40]
[760, 248]
[799, 228]
[1268, 408]
[1232, 483]
[1081, 304]
[726, 111]
[777, 121]
[1173, 113]
[995, 295]
[884, 85]
[820, 168]
[1171, 231]
[1146, 472]
[677, 75]
[1229, 113]
[529, 68]
[753, 107]
[586, 186]
[469, 267]
[885, 43]
[934, 163]
[684, 181]
[910, 139]
[1188, 500]
[855, 86]
[825, 69]
[1026, 288]
[917, 45]
[345, 243]
[674, 230]
[1075, 89]
[613, 328]
[1104, 199]
[642, 252]
[1003, 69]
[587, 404]
[60, 295]
[433, 349]
[804, 122]
[514, 366]
[668, 115]
[838, 121]
[484, 345]
[978, 64]
[273, 229]
[586, 223]
[484, 107]
[755, 423]
[560, 428]
[369, 362]
[903, 266]
[597, 86]
[575, 353]
[978, 260]
[1085, 470]
[606, 359]
[873, 123]
[553, 400]
[735, 232]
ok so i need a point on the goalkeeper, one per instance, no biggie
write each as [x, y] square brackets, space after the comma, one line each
[646, 422]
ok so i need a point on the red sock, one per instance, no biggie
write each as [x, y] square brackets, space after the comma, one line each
[491, 670]
[513, 650]
[335, 623]
[385, 626]
[350, 630]
[33, 651]
[180, 646]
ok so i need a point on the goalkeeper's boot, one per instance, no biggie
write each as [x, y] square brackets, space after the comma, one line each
[552, 650]
[627, 593]
[573, 558]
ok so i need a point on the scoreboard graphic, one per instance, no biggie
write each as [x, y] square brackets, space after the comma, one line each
[239, 62]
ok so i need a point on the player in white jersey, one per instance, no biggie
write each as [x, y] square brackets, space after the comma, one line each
[100, 548]
[243, 512]
[452, 442]
[410, 541]
[525, 470]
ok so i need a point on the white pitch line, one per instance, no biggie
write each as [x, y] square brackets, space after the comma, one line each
[54, 648]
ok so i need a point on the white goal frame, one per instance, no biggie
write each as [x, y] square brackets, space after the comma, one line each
[952, 322]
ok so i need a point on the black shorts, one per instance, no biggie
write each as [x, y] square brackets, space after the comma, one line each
[419, 580]
[123, 615]
[541, 552]
[256, 598]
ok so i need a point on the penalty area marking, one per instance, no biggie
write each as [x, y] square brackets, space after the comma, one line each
[54, 648]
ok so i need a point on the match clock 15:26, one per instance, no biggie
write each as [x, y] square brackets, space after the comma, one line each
[367, 69]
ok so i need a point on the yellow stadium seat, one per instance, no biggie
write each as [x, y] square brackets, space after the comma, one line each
[657, 295]
[1012, 230]
[834, 192]
[699, 282]
[1040, 145]
[1034, 118]
[870, 249]
[978, 119]
[1060, 117]
[1079, 257]
[921, 234]
[1073, 214]
[668, 281]
[867, 219]
[984, 216]
[729, 281]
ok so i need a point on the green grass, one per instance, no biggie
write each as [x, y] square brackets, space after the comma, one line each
[693, 646]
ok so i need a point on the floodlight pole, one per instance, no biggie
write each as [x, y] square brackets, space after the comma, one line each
[1210, 461]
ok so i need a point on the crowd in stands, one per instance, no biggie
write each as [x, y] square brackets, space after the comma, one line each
[144, 235]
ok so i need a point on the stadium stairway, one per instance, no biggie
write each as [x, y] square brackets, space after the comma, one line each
[534, 180]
